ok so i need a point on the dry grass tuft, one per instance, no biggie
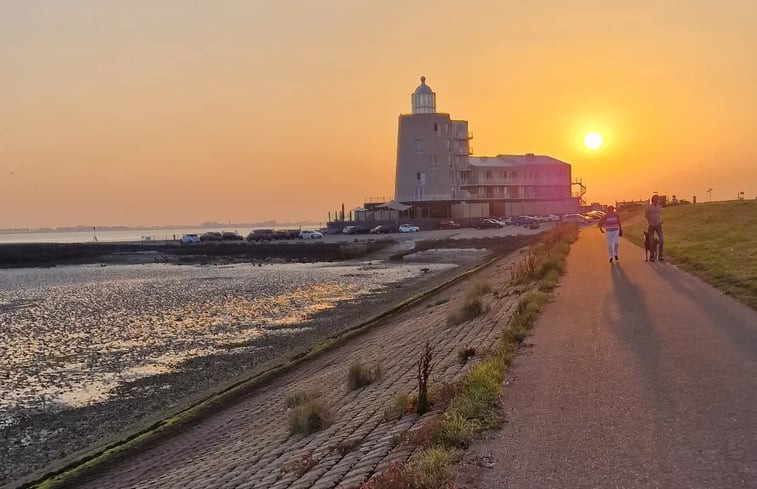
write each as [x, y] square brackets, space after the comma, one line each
[309, 417]
[360, 375]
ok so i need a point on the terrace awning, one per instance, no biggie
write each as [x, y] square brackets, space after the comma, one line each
[395, 206]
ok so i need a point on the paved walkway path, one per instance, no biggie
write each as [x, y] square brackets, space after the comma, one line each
[639, 376]
[248, 444]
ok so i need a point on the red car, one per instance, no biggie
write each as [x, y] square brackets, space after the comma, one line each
[448, 225]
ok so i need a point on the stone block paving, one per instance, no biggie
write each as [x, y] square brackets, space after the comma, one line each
[248, 445]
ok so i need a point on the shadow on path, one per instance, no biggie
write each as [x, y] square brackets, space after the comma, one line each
[633, 323]
[735, 321]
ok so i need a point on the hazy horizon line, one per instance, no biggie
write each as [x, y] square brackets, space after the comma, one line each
[208, 224]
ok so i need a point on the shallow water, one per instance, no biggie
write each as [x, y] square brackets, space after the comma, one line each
[70, 335]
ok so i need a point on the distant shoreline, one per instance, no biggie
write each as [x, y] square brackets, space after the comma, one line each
[21, 255]
[205, 225]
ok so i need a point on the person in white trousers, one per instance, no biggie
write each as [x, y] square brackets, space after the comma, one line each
[611, 221]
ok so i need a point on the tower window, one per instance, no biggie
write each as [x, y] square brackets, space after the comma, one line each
[432, 159]
[419, 145]
[436, 127]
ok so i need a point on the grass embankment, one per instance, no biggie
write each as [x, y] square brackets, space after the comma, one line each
[474, 403]
[716, 241]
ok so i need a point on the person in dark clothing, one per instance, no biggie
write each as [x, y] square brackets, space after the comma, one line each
[653, 213]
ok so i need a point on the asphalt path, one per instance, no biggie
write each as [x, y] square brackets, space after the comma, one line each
[638, 375]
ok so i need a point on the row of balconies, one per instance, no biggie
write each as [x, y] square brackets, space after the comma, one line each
[518, 181]
[514, 192]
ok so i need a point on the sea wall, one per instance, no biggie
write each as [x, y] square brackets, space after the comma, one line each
[49, 254]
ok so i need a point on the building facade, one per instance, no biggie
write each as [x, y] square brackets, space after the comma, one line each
[438, 176]
[430, 148]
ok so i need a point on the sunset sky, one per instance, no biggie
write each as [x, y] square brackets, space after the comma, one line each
[161, 112]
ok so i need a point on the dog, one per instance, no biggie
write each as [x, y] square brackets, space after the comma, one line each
[650, 246]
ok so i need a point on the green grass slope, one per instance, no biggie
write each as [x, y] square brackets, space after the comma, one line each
[716, 241]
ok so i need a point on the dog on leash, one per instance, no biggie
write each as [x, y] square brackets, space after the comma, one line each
[650, 246]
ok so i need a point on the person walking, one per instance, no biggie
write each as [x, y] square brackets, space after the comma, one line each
[611, 221]
[653, 213]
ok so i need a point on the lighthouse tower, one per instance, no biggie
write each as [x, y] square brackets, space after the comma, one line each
[430, 149]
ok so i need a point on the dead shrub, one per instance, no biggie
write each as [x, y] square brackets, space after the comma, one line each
[471, 309]
[464, 354]
[302, 396]
[400, 404]
[360, 375]
[309, 417]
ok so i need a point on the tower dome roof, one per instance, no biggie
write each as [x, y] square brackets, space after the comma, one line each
[423, 99]
[423, 88]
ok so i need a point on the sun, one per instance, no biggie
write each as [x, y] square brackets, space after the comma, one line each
[593, 140]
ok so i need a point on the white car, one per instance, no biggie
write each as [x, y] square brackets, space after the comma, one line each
[408, 228]
[547, 218]
[307, 234]
[188, 239]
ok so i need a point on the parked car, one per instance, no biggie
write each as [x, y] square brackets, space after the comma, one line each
[189, 239]
[280, 234]
[577, 218]
[260, 235]
[211, 236]
[354, 230]
[307, 234]
[599, 214]
[548, 218]
[448, 225]
[487, 223]
[408, 228]
[523, 221]
[383, 229]
[231, 236]
[293, 233]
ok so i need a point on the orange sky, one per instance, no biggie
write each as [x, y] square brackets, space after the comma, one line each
[165, 112]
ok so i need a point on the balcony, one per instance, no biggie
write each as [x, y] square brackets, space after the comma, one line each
[377, 200]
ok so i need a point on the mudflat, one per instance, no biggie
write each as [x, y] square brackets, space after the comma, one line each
[41, 436]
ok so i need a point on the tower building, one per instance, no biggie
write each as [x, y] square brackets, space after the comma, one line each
[430, 149]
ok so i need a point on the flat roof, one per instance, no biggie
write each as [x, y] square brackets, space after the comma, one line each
[514, 160]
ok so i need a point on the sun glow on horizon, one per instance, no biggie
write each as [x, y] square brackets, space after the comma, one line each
[593, 140]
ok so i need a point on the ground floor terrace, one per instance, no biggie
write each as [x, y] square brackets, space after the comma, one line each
[470, 208]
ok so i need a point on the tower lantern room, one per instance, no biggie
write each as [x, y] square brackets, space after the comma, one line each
[424, 99]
